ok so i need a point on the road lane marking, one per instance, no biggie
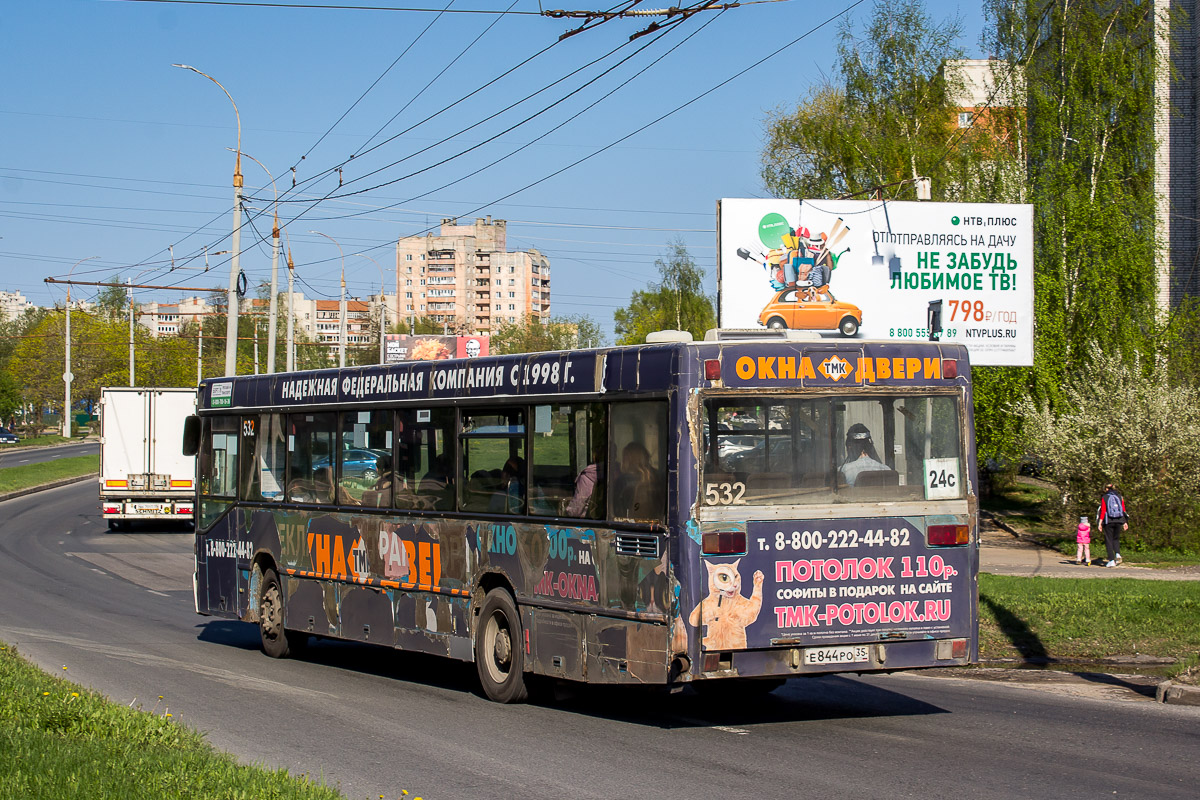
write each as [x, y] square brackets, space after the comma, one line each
[137, 656]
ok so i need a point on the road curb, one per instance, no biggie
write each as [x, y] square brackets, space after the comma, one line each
[44, 486]
[1177, 694]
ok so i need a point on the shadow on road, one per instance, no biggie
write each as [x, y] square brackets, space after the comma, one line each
[801, 699]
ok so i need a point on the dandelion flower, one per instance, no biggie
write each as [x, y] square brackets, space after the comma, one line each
[170, 715]
[45, 694]
[74, 694]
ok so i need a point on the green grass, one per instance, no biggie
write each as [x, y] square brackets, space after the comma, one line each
[58, 740]
[1087, 619]
[1032, 507]
[34, 441]
[15, 478]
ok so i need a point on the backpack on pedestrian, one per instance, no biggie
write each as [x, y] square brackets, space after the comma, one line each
[1114, 507]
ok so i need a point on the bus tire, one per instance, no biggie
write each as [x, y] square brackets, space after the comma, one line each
[499, 656]
[776, 323]
[275, 640]
[848, 326]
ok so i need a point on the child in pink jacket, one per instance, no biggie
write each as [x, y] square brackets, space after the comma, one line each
[1083, 542]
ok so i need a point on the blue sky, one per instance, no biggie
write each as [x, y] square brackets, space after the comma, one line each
[108, 151]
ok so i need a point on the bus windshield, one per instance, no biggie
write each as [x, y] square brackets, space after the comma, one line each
[779, 449]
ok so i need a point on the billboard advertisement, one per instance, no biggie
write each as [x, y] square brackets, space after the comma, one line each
[870, 269]
[398, 347]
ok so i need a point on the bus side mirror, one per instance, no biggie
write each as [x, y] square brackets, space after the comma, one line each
[191, 435]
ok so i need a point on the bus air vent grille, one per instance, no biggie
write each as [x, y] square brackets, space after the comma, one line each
[637, 544]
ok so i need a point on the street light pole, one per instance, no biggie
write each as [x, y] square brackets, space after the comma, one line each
[274, 270]
[235, 263]
[382, 304]
[130, 294]
[341, 303]
[67, 376]
[291, 334]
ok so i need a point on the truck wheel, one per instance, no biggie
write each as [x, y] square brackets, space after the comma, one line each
[276, 641]
[776, 323]
[848, 326]
[499, 655]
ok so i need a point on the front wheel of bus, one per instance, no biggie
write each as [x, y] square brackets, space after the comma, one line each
[499, 656]
[270, 616]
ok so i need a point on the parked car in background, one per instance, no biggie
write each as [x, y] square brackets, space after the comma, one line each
[8, 437]
[359, 464]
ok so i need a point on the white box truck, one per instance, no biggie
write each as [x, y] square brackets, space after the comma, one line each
[143, 471]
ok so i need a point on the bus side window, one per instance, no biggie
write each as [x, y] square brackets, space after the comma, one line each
[494, 474]
[218, 458]
[424, 478]
[570, 445]
[639, 457]
[365, 468]
[310, 458]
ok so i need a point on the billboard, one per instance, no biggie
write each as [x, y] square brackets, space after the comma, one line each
[398, 347]
[870, 268]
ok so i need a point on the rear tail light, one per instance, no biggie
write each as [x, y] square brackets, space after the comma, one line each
[183, 509]
[948, 535]
[959, 648]
[722, 543]
[112, 509]
[712, 369]
[949, 368]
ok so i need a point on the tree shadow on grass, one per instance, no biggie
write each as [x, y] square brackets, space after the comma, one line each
[1022, 637]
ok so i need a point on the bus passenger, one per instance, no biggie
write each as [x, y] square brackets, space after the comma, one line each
[860, 454]
[584, 501]
[637, 493]
[511, 495]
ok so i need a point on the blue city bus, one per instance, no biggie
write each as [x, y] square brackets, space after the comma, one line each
[725, 514]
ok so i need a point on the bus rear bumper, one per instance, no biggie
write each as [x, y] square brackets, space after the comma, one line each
[855, 657]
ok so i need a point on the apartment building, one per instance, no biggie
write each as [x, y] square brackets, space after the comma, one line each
[12, 305]
[468, 280]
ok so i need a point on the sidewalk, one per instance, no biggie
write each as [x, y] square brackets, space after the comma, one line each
[1003, 553]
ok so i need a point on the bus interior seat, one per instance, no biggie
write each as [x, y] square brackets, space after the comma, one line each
[878, 478]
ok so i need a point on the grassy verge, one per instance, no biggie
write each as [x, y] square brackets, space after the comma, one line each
[1082, 619]
[1031, 507]
[58, 740]
[27, 475]
[34, 441]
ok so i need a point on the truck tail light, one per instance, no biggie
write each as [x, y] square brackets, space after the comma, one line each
[722, 543]
[949, 368]
[112, 509]
[712, 369]
[948, 535]
[183, 509]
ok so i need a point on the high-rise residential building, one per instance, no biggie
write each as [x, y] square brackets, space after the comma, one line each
[13, 304]
[468, 280]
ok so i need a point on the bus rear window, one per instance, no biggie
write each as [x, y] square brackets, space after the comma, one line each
[792, 450]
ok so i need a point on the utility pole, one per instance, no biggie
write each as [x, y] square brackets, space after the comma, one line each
[130, 295]
[68, 377]
[274, 272]
[291, 330]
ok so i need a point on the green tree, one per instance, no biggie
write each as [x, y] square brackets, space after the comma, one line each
[532, 335]
[888, 117]
[676, 302]
[112, 302]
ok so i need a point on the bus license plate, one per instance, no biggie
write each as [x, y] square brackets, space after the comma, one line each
[819, 656]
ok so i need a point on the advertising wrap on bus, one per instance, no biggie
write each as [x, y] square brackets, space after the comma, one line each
[846, 580]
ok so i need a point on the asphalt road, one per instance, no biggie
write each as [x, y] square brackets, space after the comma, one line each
[116, 611]
[38, 455]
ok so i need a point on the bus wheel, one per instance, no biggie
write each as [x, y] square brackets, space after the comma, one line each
[270, 616]
[499, 656]
[776, 323]
[848, 326]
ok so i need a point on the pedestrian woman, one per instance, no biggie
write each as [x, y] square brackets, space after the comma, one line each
[1112, 518]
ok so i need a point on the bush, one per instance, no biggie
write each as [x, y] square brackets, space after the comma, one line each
[1125, 424]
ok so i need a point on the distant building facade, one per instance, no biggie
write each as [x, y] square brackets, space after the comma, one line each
[467, 279]
[13, 305]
